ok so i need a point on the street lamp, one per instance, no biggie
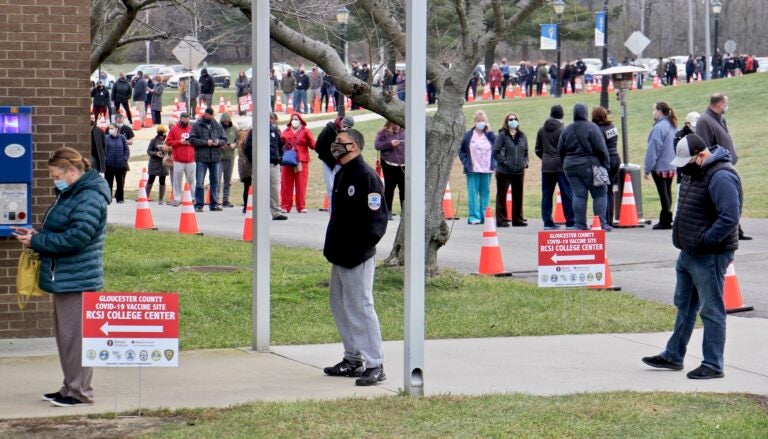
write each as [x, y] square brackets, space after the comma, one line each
[717, 6]
[342, 17]
[605, 79]
[559, 6]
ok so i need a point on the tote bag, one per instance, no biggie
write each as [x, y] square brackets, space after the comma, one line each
[27, 278]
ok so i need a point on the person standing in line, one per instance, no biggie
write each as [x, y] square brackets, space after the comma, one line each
[139, 94]
[100, 96]
[323, 149]
[510, 150]
[194, 94]
[581, 147]
[706, 232]
[157, 100]
[390, 142]
[476, 155]
[98, 153]
[494, 80]
[401, 85]
[505, 79]
[658, 158]
[274, 85]
[243, 88]
[358, 221]
[207, 87]
[117, 154]
[300, 94]
[183, 157]
[713, 129]
[288, 85]
[275, 155]
[148, 99]
[611, 136]
[70, 243]
[552, 170]
[155, 168]
[294, 178]
[208, 137]
[315, 84]
[327, 92]
[227, 158]
[121, 94]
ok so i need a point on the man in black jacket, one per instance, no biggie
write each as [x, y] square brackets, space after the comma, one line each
[100, 97]
[358, 221]
[207, 86]
[552, 169]
[121, 93]
[207, 136]
[275, 155]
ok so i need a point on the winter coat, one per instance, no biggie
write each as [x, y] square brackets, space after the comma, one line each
[581, 143]
[157, 97]
[117, 151]
[243, 86]
[611, 137]
[302, 81]
[71, 239]
[494, 78]
[121, 90]
[194, 88]
[661, 147]
[182, 153]
[156, 154]
[207, 86]
[100, 96]
[510, 153]
[228, 150]
[139, 89]
[98, 154]
[712, 128]
[301, 140]
[202, 131]
[465, 153]
[390, 154]
[546, 146]
[289, 84]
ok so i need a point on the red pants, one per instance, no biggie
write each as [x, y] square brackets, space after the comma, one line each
[98, 111]
[290, 180]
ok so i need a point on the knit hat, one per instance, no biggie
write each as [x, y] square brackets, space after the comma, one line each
[556, 112]
[348, 122]
[687, 148]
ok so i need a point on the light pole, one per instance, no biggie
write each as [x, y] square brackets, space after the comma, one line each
[342, 17]
[559, 6]
[605, 79]
[717, 6]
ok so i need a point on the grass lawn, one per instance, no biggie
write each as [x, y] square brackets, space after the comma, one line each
[216, 307]
[601, 415]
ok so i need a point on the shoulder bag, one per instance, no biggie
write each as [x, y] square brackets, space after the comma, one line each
[27, 278]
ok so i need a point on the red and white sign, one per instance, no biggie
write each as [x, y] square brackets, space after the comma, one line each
[571, 258]
[244, 102]
[130, 330]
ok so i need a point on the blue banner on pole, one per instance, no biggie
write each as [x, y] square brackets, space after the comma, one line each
[548, 37]
[600, 29]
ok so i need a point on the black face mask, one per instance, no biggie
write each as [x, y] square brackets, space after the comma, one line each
[691, 169]
[183, 124]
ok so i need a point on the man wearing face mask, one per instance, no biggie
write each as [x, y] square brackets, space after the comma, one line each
[358, 221]
[117, 154]
[208, 137]
[100, 96]
[300, 94]
[713, 129]
[183, 157]
[706, 232]
[124, 129]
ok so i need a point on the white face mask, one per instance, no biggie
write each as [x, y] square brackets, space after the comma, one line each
[113, 132]
[295, 123]
[480, 126]
[725, 109]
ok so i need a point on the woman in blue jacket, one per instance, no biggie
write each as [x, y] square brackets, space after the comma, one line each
[71, 246]
[660, 152]
[117, 153]
[476, 155]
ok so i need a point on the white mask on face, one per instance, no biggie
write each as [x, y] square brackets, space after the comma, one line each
[295, 123]
[113, 132]
[480, 126]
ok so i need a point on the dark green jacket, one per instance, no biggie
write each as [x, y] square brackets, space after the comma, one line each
[71, 240]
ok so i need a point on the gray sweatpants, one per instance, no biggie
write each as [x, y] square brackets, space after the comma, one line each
[351, 297]
[180, 172]
[67, 319]
[225, 178]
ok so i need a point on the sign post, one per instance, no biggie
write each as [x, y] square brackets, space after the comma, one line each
[571, 258]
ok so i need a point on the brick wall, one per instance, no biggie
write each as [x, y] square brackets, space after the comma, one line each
[44, 63]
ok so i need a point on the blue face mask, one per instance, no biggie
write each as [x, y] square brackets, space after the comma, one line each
[60, 185]
[480, 126]
[513, 123]
[725, 109]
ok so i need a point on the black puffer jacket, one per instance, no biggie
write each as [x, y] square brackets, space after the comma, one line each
[510, 153]
[546, 146]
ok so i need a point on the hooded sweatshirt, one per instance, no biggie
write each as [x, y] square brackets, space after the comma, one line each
[227, 152]
[546, 146]
[301, 139]
[582, 143]
[182, 153]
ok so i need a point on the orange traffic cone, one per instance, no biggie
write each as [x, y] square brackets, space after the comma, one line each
[486, 93]
[201, 108]
[144, 178]
[518, 92]
[448, 211]
[656, 82]
[628, 212]
[559, 212]
[607, 279]
[170, 194]
[610, 86]
[148, 123]
[509, 94]
[207, 199]
[136, 120]
[316, 105]
[491, 262]
[326, 204]
[222, 108]
[330, 108]
[278, 103]
[248, 225]
[289, 108]
[143, 219]
[509, 204]
[176, 103]
[732, 294]
[470, 95]
[188, 221]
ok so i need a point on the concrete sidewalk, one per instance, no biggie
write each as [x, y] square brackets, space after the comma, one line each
[551, 365]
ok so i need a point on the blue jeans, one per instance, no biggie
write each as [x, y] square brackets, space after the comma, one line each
[548, 182]
[580, 178]
[478, 196]
[300, 101]
[700, 287]
[213, 169]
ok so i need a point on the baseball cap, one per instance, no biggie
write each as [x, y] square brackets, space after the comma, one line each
[687, 148]
[692, 118]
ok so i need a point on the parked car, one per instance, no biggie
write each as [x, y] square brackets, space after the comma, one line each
[173, 81]
[148, 69]
[221, 76]
[762, 65]
[107, 79]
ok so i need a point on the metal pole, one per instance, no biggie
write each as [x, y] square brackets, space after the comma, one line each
[260, 182]
[716, 73]
[605, 79]
[340, 109]
[690, 27]
[708, 47]
[415, 116]
[559, 87]
[624, 138]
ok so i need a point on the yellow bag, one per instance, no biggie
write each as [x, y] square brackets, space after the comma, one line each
[27, 278]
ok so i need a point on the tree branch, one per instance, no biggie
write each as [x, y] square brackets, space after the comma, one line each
[135, 38]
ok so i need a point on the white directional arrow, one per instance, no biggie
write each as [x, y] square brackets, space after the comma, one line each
[106, 328]
[556, 258]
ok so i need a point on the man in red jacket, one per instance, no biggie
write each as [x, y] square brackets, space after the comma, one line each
[183, 156]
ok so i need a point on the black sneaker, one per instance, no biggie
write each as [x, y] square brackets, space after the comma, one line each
[503, 224]
[52, 396]
[345, 368]
[704, 373]
[198, 209]
[371, 376]
[280, 218]
[216, 209]
[69, 401]
[660, 362]
[227, 204]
